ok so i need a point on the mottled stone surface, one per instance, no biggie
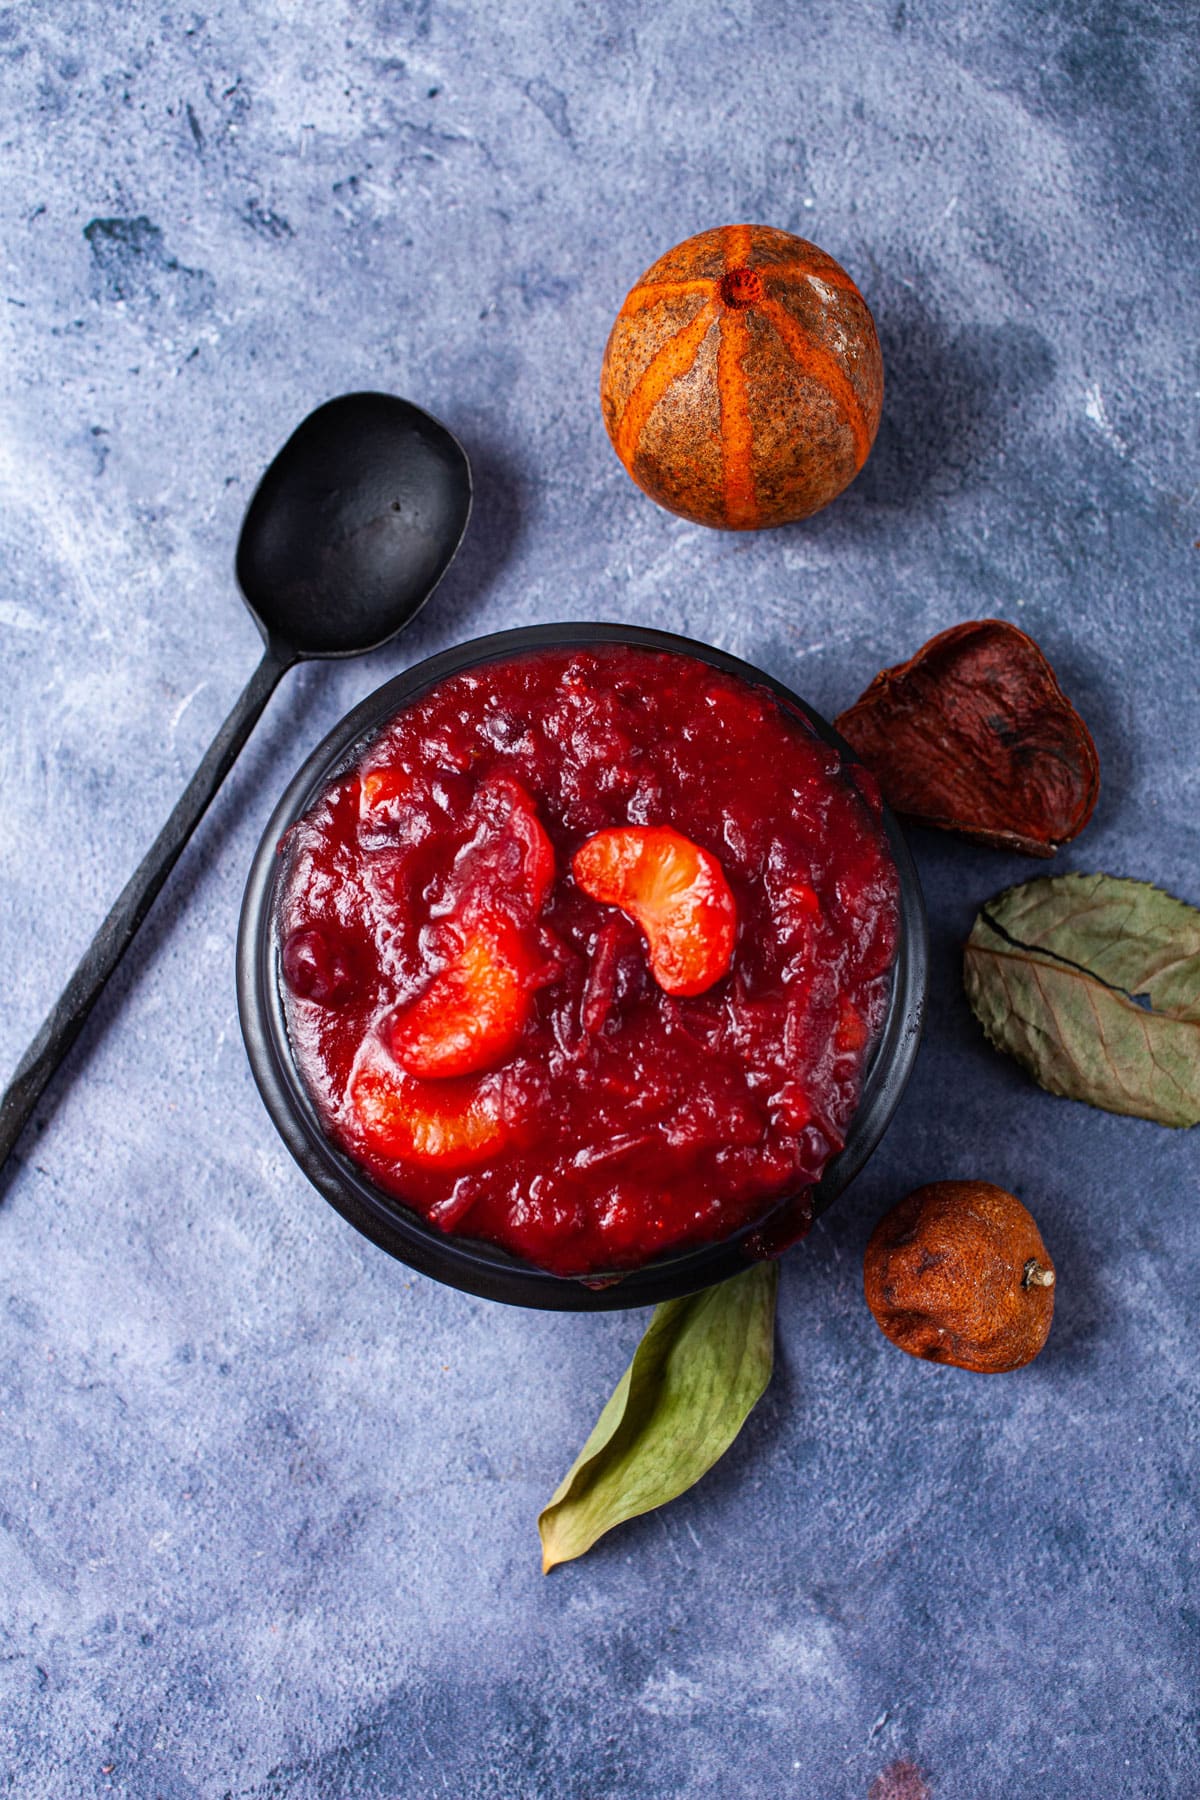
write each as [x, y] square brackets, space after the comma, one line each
[266, 1501]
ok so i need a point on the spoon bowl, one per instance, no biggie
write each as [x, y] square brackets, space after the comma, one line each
[353, 526]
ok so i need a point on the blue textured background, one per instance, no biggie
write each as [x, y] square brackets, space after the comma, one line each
[267, 1502]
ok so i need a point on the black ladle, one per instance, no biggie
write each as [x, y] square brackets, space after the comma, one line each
[349, 532]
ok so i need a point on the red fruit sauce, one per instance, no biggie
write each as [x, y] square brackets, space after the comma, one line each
[602, 1122]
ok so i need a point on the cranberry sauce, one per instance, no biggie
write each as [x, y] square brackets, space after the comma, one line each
[500, 1048]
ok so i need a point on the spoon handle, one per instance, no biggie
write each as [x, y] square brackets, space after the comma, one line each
[110, 943]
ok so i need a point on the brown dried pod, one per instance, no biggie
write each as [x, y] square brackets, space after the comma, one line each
[958, 1273]
[974, 734]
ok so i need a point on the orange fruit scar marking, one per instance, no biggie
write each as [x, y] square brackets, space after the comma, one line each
[736, 241]
[737, 432]
[810, 359]
[671, 361]
[813, 269]
[649, 293]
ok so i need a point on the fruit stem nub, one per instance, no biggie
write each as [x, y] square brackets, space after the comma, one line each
[1036, 1276]
[740, 287]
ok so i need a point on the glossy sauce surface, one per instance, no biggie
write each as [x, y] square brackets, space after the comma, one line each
[605, 1122]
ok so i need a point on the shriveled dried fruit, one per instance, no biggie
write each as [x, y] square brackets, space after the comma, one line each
[958, 1273]
[974, 734]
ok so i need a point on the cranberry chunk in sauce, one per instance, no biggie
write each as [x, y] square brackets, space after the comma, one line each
[317, 967]
[587, 955]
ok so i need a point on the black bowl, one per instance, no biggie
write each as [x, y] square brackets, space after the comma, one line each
[466, 1263]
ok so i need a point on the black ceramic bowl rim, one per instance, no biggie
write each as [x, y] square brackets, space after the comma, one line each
[468, 1263]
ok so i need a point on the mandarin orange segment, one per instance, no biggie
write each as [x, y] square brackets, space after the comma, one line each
[473, 1012]
[447, 1124]
[673, 889]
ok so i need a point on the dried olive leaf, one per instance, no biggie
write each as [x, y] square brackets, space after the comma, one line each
[1054, 971]
[695, 1376]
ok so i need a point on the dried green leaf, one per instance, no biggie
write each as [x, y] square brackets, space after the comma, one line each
[1093, 984]
[703, 1363]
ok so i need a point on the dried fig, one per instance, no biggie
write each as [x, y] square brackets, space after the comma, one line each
[958, 1273]
[974, 734]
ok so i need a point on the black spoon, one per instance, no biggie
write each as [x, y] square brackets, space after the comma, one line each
[349, 532]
